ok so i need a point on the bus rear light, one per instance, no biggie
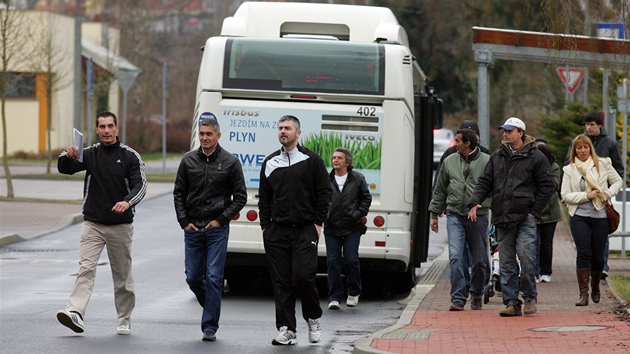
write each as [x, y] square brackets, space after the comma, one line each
[238, 215]
[364, 220]
[379, 221]
[304, 97]
[379, 243]
[252, 215]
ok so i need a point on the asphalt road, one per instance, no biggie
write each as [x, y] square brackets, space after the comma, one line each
[37, 276]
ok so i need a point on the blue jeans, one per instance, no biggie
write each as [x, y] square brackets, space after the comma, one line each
[467, 258]
[590, 236]
[205, 252]
[519, 240]
[462, 232]
[343, 252]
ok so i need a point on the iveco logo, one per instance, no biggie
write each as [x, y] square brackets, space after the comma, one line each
[240, 112]
[360, 137]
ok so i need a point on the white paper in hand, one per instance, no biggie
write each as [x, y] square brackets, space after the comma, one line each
[78, 142]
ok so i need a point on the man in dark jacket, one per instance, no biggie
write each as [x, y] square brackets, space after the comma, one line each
[519, 179]
[209, 191]
[344, 226]
[605, 146]
[294, 196]
[115, 181]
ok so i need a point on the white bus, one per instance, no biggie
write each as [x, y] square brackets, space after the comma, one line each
[347, 73]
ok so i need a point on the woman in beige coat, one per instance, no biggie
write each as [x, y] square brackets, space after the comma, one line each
[588, 183]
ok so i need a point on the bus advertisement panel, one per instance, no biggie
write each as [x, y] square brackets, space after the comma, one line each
[251, 133]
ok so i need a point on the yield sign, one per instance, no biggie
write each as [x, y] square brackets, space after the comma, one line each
[571, 77]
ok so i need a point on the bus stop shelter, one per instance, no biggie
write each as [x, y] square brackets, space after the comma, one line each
[490, 44]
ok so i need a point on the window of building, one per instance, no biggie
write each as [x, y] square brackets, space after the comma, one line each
[20, 85]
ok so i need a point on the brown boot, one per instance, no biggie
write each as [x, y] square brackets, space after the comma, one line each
[582, 277]
[595, 293]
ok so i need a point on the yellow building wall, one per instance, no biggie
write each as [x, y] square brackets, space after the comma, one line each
[22, 125]
[27, 120]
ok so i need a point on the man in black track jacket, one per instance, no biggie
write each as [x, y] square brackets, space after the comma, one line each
[294, 198]
[115, 181]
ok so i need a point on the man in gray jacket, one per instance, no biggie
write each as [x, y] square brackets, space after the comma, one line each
[455, 183]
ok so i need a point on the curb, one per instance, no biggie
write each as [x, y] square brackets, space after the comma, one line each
[70, 220]
[9, 239]
[420, 291]
[362, 346]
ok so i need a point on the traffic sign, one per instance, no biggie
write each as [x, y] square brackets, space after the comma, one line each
[571, 77]
[126, 78]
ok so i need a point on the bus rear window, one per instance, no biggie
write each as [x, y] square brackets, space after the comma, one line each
[292, 64]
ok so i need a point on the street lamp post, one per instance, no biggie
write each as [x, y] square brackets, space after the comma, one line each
[164, 97]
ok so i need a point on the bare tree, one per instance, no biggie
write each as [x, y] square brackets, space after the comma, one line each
[13, 32]
[47, 61]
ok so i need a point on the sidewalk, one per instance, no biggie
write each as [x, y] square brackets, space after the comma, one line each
[426, 325]
[20, 220]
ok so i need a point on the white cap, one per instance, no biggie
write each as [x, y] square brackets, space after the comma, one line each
[512, 123]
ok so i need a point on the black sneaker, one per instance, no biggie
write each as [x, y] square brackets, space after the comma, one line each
[475, 304]
[456, 306]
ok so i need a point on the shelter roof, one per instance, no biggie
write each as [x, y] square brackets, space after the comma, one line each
[105, 58]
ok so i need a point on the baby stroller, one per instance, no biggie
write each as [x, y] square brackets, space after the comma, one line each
[494, 285]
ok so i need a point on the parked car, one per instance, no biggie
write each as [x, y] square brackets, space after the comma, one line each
[442, 140]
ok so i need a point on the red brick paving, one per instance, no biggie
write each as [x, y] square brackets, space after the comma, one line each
[29, 219]
[434, 329]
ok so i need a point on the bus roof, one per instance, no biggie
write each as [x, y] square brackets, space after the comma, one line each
[354, 23]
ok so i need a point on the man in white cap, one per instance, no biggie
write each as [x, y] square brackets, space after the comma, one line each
[519, 179]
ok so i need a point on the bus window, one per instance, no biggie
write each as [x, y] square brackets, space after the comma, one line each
[292, 64]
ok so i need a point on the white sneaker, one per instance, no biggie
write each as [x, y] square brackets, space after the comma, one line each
[314, 330]
[352, 301]
[123, 329]
[285, 337]
[71, 320]
[545, 278]
[537, 279]
[333, 305]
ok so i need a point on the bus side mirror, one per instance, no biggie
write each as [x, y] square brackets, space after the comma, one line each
[436, 113]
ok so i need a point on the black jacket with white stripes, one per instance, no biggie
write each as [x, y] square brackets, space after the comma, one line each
[294, 188]
[114, 173]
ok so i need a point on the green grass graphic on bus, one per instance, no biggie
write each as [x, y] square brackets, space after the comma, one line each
[367, 155]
